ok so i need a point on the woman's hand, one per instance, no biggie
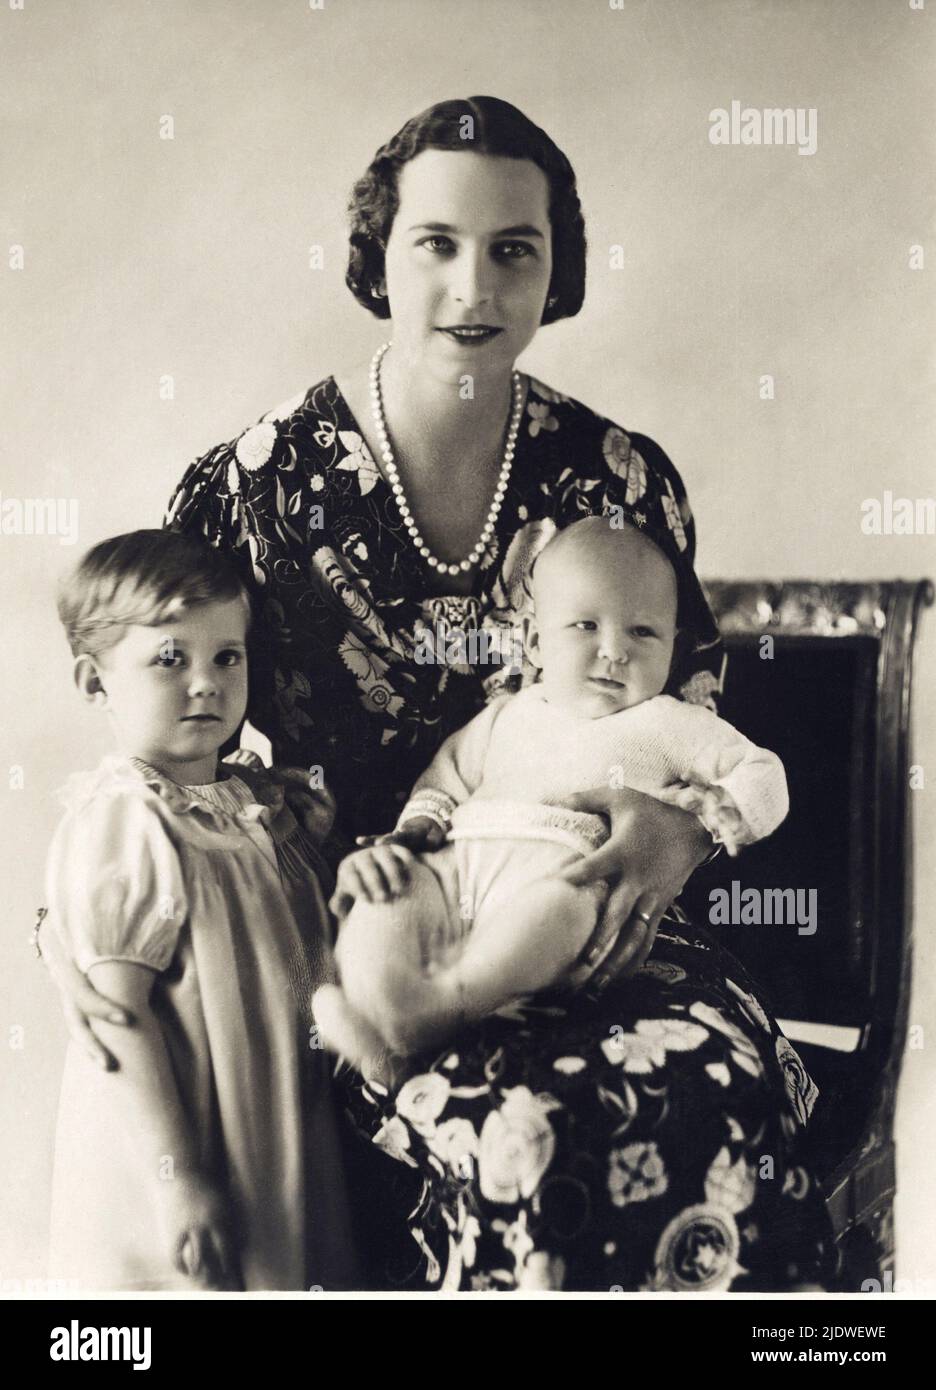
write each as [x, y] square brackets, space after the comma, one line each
[80, 1000]
[652, 850]
[313, 807]
[198, 1233]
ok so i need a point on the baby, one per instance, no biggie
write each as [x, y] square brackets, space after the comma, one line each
[483, 915]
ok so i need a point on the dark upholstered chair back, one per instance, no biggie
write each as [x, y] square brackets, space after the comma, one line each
[830, 693]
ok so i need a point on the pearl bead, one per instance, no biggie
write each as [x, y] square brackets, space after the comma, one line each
[393, 475]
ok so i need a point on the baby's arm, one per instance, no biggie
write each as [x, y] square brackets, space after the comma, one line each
[382, 871]
[456, 771]
[738, 790]
[192, 1213]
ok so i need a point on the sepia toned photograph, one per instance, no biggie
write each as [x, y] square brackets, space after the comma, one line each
[468, 521]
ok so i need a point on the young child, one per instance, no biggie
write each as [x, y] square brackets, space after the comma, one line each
[430, 942]
[188, 894]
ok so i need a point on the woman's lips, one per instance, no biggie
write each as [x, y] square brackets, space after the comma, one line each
[470, 336]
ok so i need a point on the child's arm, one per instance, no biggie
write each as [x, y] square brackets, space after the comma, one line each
[193, 1215]
[118, 898]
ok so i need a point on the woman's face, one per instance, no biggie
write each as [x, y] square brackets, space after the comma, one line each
[471, 244]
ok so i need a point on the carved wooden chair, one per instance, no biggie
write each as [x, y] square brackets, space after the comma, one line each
[830, 693]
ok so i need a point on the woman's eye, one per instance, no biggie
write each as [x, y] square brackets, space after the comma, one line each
[437, 243]
[515, 250]
[229, 658]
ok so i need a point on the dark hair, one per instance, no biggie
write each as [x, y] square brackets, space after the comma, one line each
[142, 577]
[496, 128]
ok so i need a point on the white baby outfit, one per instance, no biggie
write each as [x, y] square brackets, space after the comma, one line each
[498, 786]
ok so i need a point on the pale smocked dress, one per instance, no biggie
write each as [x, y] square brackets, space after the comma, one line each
[214, 888]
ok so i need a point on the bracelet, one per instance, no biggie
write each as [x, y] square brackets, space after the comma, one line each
[41, 914]
[714, 854]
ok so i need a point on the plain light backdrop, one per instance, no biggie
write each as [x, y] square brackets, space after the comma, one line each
[145, 257]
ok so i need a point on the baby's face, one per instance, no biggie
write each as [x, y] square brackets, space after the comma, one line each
[605, 636]
[177, 692]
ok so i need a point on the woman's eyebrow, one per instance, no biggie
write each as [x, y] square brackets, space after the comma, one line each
[522, 229]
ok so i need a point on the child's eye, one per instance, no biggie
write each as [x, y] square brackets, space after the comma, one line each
[586, 625]
[167, 660]
[644, 632]
[229, 657]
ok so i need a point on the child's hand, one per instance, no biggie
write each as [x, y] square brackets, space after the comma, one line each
[199, 1234]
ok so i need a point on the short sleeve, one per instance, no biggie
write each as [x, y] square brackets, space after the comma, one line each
[114, 883]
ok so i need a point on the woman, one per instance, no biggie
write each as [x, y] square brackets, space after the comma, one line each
[646, 1130]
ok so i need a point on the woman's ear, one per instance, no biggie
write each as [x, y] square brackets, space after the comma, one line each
[87, 678]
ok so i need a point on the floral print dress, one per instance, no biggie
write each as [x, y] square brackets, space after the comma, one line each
[651, 1137]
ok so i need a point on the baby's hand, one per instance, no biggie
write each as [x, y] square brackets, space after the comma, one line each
[199, 1233]
[377, 874]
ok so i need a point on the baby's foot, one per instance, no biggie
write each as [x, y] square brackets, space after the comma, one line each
[420, 1008]
[343, 1030]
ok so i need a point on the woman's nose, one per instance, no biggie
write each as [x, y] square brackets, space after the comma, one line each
[471, 282]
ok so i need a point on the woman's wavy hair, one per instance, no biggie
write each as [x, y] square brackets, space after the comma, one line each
[484, 125]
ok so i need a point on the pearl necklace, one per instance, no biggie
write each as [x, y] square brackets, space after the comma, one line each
[396, 486]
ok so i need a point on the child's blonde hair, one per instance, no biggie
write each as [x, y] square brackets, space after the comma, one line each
[144, 578]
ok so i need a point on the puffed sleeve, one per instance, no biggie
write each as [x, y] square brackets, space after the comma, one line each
[114, 883]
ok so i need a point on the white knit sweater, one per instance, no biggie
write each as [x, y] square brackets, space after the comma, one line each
[522, 748]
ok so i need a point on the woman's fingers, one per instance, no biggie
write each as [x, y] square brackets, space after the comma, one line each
[608, 927]
[634, 944]
[602, 863]
[80, 1031]
[76, 988]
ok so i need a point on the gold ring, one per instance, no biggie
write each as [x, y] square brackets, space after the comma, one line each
[643, 917]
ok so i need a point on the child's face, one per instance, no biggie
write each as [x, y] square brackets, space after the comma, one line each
[604, 637]
[178, 691]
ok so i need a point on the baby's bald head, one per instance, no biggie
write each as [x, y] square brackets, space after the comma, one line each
[612, 554]
[605, 602]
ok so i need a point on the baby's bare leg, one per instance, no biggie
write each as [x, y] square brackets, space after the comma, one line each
[524, 943]
[387, 954]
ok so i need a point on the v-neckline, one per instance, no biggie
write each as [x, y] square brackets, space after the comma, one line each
[482, 579]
